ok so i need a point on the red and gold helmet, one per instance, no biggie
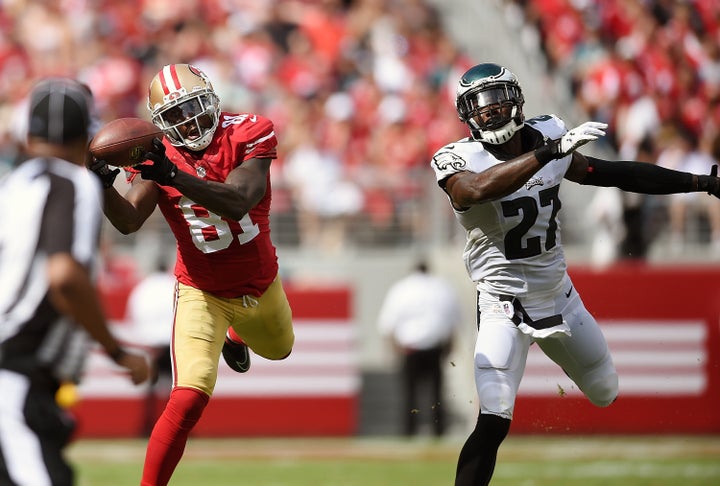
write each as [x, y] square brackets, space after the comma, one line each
[183, 104]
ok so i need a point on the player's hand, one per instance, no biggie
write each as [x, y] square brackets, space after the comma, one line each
[104, 173]
[710, 183]
[570, 142]
[159, 169]
[579, 136]
[136, 364]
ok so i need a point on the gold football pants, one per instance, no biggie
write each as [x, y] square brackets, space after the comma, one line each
[202, 319]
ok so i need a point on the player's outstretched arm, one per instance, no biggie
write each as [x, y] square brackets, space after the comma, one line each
[127, 214]
[243, 188]
[640, 177]
[468, 188]
[570, 141]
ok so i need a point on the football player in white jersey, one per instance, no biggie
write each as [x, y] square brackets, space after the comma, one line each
[503, 184]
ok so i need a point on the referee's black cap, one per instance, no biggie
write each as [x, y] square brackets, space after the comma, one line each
[59, 110]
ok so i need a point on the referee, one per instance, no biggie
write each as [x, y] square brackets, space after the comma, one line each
[49, 307]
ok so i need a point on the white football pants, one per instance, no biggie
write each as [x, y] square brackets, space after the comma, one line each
[501, 350]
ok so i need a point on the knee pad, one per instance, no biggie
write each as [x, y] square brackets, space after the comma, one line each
[601, 390]
[496, 394]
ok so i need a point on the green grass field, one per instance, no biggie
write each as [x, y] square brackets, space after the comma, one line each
[523, 461]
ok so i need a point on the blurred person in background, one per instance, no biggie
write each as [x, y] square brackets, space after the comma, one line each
[685, 152]
[503, 183]
[150, 314]
[327, 198]
[49, 302]
[210, 177]
[420, 315]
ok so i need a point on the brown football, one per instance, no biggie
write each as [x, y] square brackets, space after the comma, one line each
[123, 142]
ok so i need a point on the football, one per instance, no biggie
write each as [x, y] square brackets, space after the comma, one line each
[123, 142]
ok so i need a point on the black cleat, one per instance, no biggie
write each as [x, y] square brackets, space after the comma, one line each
[236, 355]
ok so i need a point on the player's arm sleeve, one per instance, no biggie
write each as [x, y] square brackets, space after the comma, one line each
[640, 177]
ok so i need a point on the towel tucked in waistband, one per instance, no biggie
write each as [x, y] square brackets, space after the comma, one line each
[540, 328]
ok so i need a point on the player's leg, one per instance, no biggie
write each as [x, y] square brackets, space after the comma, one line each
[476, 463]
[266, 325]
[500, 356]
[198, 336]
[584, 355]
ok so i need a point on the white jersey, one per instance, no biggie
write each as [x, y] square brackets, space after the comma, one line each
[513, 243]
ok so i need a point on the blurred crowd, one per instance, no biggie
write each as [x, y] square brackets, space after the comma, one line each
[357, 89]
[361, 93]
[651, 70]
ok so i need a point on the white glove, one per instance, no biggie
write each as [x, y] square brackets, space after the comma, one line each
[579, 136]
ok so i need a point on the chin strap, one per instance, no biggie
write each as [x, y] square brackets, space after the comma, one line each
[500, 136]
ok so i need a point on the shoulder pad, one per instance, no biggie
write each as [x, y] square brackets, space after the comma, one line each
[551, 126]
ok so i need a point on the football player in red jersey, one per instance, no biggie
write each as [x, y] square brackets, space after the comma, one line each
[210, 176]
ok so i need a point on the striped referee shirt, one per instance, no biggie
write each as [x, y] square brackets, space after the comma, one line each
[51, 206]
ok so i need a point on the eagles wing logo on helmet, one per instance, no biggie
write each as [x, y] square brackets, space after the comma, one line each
[484, 74]
[448, 159]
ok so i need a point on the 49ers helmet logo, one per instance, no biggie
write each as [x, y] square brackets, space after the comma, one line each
[196, 71]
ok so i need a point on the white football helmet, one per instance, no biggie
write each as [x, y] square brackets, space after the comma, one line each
[489, 100]
[184, 105]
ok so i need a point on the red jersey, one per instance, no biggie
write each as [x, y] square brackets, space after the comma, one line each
[215, 254]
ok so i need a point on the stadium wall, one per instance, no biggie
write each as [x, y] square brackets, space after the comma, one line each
[662, 324]
[313, 392]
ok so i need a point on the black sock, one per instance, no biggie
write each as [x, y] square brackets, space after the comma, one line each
[477, 457]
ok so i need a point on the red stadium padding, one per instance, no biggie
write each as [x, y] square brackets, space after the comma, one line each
[662, 325]
[669, 374]
[314, 392]
[229, 417]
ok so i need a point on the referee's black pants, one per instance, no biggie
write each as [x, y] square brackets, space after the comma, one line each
[423, 384]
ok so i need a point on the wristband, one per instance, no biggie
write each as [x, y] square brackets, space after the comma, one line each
[548, 152]
[707, 184]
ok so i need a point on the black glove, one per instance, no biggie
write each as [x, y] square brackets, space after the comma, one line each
[161, 170]
[101, 169]
[710, 183]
